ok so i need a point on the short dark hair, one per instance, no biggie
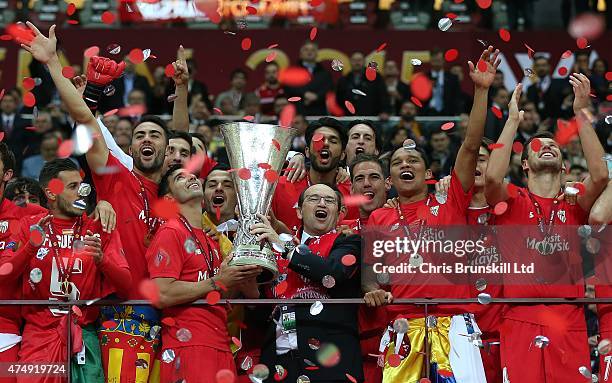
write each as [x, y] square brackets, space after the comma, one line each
[327, 122]
[421, 151]
[155, 120]
[7, 157]
[238, 71]
[164, 183]
[361, 158]
[339, 198]
[200, 137]
[540, 56]
[372, 125]
[20, 185]
[582, 53]
[53, 168]
[185, 137]
[525, 153]
[220, 166]
[274, 63]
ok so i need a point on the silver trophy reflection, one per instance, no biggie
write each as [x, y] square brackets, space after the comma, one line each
[248, 146]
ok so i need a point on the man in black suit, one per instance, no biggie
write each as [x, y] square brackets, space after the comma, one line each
[123, 86]
[376, 99]
[397, 90]
[193, 86]
[547, 93]
[313, 93]
[446, 92]
[300, 336]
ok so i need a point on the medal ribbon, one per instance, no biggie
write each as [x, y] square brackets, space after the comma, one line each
[540, 215]
[406, 224]
[65, 272]
[151, 226]
[209, 258]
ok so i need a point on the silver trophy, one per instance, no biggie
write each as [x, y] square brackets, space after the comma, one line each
[248, 147]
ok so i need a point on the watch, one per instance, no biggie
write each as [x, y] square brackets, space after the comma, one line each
[289, 247]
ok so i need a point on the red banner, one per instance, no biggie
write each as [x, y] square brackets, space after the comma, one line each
[218, 53]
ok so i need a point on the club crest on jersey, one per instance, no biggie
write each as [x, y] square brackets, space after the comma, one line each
[3, 226]
[42, 253]
[531, 215]
[434, 210]
[561, 215]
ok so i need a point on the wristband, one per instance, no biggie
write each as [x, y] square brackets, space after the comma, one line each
[92, 95]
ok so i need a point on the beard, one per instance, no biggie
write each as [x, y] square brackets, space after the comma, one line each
[66, 208]
[154, 166]
[332, 165]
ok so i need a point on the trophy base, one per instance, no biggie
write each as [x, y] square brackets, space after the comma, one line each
[253, 255]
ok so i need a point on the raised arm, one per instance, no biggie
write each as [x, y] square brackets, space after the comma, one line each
[601, 212]
[595, 183]
[495, 188]
[465, 165]
[180, 110]
[43, 49]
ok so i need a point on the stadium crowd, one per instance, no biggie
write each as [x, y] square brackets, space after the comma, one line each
[166, 216]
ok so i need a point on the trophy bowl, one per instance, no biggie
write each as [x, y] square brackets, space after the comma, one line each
[248, 146]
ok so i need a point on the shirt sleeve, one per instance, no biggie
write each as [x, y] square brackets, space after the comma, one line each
[22, 252]
[458, 200]
[105, 181]
[123, 158]
[115, 267]
[164, 256]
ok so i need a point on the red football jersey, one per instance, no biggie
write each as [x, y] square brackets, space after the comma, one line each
[121, 188]
[10, 214]
[42, 276]
[266, 98]
[167, 257]
[285, 201]
[516, 246]
[452, 212]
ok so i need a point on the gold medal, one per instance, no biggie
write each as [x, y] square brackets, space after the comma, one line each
[65, 287]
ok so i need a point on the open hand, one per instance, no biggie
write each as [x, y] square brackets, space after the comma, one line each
[181, 72]
[42, 48]
[513, 109]
[582, 90]
[485, 79]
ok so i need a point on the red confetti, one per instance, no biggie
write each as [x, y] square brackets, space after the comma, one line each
[281, 288]
[294, 99]
[28, 99]
[111, 112]
[496, 111]
[276, 144]
[582, 43]
[65, 149]
[566, 54]
[36, 238]
[248, 118]
[482, 66]
[451, 15]
[317, 146]
[169, 71]
[484, 4]
[6, 37]
[225, 376]
[273, 46]
[73, 22]
[194, 164]
[56, 186]
[251, 10]
[581, 188]
[109, 324]
[71, 9]
[136, 56]
[108, 17]
[213, 297]
[416, 101]
[7, 268]
[500, 208]
[381, 47]
[132, 110]
[447, 126]
[562, 71]
[311, 368]
[294, 76]
[271, 176]
[504, 34]
[348, 260]
[608, 76]
[394, 360]
[349, 106]
[495, 145]
[246, 44]
[68, 72]
[1, 93]
[313, 33]
[451, 55]
[425, 380]
[315, 3]
[287, 115]
[149, 290]
[20, 33]
[355, 200]
[517, 147]
[1, 136]
[421, 86]
[350, 377]
[445, 373]
[318, 137]
[609, 97]
[169, 321]
[218, 111]
[77, 311]
[536, 145]
[91, 51]
[370, 73]
[264, 165]
[165, 208]
[530, 51]
[270, 57]
[237, 342]
[29, 83]
[244, 174]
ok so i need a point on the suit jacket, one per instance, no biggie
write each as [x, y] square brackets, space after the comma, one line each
[116, 100]
[404, 90]
[375, 101]
[549, 103]
[320, 83]
[336, 324]
[451, 96]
